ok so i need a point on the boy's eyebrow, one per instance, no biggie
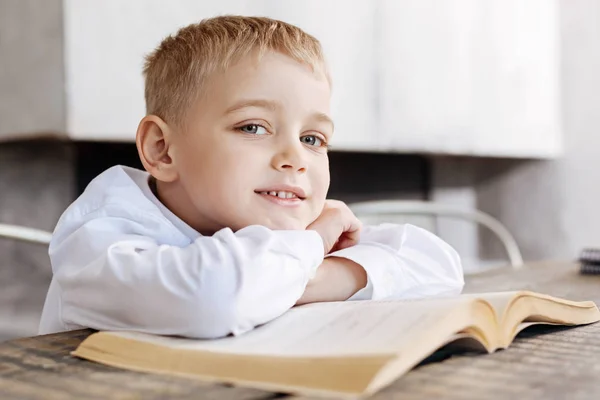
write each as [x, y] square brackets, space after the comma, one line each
[322, 117]
[268, 104]
[272, 106]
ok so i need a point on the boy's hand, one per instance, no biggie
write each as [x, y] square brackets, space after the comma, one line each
[338, 226]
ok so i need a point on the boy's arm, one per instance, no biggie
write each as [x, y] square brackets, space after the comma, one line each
[227, 283]
[404, 261]
[337, 279]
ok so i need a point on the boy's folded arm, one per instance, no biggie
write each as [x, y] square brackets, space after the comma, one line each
[405, 261]
[227, 283]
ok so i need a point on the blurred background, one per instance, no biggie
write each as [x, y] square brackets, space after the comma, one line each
[490, 105]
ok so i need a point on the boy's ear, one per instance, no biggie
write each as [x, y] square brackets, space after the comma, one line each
[153, 141]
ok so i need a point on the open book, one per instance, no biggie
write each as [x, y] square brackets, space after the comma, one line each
[343, 348]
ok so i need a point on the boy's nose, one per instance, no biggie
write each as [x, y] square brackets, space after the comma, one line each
[290, 159]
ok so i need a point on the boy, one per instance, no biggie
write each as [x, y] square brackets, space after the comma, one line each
[230, 226]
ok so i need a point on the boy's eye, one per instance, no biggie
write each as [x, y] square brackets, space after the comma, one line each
[311, 140]
[253, 129]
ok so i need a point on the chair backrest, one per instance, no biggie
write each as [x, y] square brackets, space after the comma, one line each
[25, 234]
[370, 209]
[363, 210]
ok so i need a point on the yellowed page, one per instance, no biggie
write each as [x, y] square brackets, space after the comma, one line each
[519, 310]
[529, 308]
[500, 301]
[331, 329]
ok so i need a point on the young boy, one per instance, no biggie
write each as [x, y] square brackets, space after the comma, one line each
[230, 226]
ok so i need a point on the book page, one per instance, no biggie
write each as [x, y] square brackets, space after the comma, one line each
[519, 310]
[499, 301]
[331, 329]
[503, 301]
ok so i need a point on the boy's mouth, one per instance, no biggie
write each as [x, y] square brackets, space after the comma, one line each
[287, 192]
[280, 194]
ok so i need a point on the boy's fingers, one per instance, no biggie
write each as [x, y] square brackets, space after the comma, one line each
[354, 227]
[342, 244]
[353, 237]
[348, 239]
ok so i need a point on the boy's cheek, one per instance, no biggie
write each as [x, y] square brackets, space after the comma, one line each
[316, 213]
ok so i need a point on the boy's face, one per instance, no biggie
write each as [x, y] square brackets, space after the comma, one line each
[254, 152]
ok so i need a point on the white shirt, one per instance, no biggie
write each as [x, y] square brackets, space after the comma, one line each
[122, 261]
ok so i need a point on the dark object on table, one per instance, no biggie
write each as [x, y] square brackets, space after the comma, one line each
[590, 261]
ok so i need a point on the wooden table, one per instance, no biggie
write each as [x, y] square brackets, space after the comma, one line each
[558, 363]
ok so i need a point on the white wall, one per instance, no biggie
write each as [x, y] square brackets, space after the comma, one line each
[552, 207]
[470, 77]
[462, 77]
[580, 171]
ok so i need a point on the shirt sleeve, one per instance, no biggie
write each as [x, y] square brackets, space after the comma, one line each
[404, 261]
[218, 285]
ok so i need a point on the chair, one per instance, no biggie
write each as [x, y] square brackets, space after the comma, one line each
[25, 234]
[391, 208]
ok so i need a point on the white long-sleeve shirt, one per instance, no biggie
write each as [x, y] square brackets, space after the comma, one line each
[122, 261]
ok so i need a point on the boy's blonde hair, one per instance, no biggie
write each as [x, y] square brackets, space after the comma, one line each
[176, 71]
